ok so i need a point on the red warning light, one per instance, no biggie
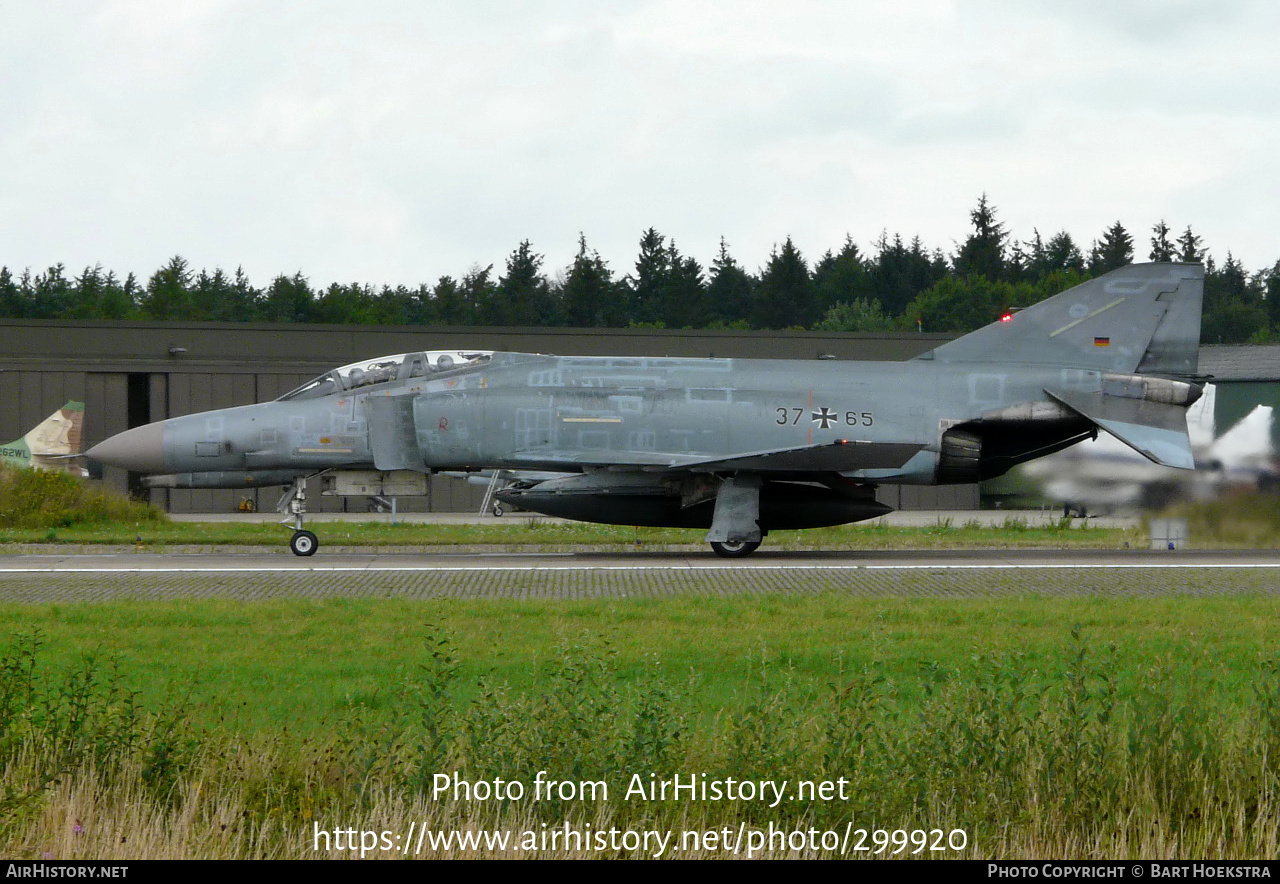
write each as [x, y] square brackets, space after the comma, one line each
[1008, 317]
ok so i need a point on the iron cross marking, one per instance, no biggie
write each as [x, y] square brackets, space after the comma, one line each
[825, 417]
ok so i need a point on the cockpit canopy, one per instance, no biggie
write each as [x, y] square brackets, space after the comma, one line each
[388, 368]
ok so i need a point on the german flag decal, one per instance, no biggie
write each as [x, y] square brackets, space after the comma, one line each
[1102, 342]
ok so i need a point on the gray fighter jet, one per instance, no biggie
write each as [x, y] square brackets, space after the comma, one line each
[737, 446]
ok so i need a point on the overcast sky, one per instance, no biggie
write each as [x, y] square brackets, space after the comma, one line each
[393, 142]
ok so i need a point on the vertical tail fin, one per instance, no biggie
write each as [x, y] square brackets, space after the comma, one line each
[52, 442]
[1200, 419]
[1247, 443]
[1141, 318]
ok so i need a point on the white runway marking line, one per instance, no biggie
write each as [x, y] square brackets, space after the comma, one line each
[286, 569]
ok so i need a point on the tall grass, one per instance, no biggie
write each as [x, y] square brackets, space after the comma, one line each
[50, 499]
[1029, 759]
[1242, 520]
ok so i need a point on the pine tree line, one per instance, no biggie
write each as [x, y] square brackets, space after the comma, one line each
[898, 285]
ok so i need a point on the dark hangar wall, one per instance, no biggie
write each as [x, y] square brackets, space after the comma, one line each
[131, 373]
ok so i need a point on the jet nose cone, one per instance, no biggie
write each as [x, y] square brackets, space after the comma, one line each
[140, 450]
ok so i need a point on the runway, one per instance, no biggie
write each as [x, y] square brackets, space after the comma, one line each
[257, 574]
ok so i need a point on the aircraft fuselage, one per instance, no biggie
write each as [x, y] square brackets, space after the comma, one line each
[528, 412]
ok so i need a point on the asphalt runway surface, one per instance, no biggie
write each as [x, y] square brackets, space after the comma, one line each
[68, 577]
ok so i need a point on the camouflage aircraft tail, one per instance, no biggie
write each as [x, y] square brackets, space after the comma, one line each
[1140, 319]
[51, 444]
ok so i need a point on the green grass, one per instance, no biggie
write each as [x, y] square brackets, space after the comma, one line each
[44, 500]
[1041, 726]
[544, 533]
[303, 664]
[1250, 521]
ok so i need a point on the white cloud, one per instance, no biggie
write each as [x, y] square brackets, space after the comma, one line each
[395, 142]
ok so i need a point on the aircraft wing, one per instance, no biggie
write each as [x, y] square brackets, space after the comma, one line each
[572, 461]
[833, 457]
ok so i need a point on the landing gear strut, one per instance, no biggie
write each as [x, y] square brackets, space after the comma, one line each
[735, 524]
[303, 543]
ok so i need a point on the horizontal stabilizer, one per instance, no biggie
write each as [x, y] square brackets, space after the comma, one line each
[1156, 430]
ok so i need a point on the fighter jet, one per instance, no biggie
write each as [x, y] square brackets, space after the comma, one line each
[739, 447]
[51, 444]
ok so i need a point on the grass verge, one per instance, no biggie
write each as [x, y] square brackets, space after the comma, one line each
[1040, 727]
[540, 533]
[42, 501]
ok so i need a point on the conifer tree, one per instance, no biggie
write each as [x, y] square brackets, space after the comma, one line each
[729, 290]
[523, 294]
[113, 301]
[89, 293]
[588, 295]
[982, 254]
[1113, 251]
[783, 297]
[12, 303]
[840, 278]
[167, 295]
[244, 302]
[211, 297]
[652, 265]
[449, 305]
[899, 273]
[1037, 256]
[1190, 248]
[477, 292]
[1271, 282]
[1161, 248]
[288, 299]
[394, 305]
[683, 294]
[1062, 254]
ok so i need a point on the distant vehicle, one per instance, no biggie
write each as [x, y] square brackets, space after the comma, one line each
[740, 447]
[1105, 475]
[51, 445]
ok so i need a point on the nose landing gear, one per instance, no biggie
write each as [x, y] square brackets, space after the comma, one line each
[303, 542]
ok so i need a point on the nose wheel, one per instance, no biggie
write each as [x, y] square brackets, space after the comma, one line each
[303, 543]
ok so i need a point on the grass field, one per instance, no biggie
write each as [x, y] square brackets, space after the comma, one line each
[1040, 726]
[1104, 720]
[261, 666]
[542, 533]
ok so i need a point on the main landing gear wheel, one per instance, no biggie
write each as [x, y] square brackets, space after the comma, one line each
[303, 543]
[735, 549]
